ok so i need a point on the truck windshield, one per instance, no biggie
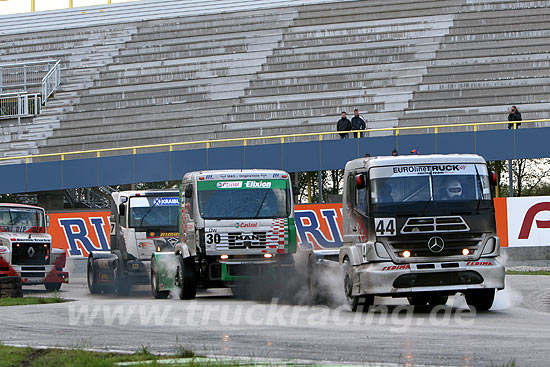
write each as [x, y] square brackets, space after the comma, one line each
[242, 199]
[22, 220]
[154, 212]
[440, 183]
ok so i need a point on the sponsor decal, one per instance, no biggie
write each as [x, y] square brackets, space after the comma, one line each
[229, 184]
[258, 185]
[246, 225]
[172, 201]
[396, 267]
[479, 263]
[436, 168]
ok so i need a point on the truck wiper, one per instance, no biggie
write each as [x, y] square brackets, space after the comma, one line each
[146, 213]
[262, 203]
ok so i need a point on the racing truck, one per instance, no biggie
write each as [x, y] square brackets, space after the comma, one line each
[236, 229]
[421, 227]
[26, 248]
[142, 222]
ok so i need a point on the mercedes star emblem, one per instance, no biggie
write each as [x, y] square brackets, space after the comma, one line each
[31, 251]
[436, 244]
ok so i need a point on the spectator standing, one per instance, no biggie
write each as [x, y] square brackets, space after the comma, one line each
[358, 123]
[344, 124]
[514, 115]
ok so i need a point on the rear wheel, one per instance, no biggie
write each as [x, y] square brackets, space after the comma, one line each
[481, 299]
[186, 278]
[155, 284]
[437, 300]
[93, 287]
[52, 287]
[120, 282]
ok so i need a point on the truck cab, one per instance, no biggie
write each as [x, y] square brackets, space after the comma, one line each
[235, 225]
[142, 222]
[26, 247]
[421, 227]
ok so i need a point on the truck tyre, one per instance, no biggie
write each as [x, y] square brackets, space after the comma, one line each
[352, 301]
[120, 282]
[93, 287]
[418, 300]
[157, 293]
[481, 299]
[186, 277]
[52, 287]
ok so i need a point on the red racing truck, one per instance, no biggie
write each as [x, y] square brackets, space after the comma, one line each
[26, 248]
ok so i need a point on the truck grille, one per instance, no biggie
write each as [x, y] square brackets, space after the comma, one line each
[435, 225]
[30, 253]
[246, 240]
[418, 245]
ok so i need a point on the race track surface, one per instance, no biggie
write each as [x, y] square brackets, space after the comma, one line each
[517, 328]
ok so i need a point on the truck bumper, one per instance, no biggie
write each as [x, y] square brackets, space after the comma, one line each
[389, 279]
[40, 274]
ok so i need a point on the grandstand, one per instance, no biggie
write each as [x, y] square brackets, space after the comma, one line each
[168, 71]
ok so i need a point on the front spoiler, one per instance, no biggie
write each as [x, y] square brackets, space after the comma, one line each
[380, 278]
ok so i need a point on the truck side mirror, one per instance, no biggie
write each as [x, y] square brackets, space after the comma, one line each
[361, 183]
[295, 189]
[188, 192]
[47, 220]
[122, 209]
[493, 178]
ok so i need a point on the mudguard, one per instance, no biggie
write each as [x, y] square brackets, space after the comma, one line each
[353, 253]
[184, 250]
[164, 265]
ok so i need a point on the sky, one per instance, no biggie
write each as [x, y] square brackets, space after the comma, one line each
[24, 6]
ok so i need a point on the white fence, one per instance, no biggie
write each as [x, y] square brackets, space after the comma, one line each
[19, 104]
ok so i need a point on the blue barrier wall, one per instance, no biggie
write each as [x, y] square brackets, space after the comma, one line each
[292, 157]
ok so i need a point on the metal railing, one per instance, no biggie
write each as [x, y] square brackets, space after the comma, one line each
[19, 104]
[434, 129]
[25, 75]
[51, 81]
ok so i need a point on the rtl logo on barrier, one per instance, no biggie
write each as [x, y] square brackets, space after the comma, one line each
[319, 226]
[80, 233]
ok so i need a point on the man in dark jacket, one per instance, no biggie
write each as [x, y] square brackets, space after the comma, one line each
[514, 115]
[357, 123]
[344, 124]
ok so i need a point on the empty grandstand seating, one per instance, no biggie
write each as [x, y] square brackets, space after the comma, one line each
[133, 74]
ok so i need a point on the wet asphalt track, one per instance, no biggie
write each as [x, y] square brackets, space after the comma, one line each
[517, 328]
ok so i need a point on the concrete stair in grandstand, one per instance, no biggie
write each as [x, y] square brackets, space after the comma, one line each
[293, 69]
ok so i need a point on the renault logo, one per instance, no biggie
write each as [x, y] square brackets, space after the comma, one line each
[31, 252]
[436, 244]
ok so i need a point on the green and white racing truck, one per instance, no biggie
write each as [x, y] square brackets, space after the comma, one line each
[236, 229]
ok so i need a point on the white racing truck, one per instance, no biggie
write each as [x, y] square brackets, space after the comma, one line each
[142, 222]
[421, 227]
[236, 228]
[26, 248]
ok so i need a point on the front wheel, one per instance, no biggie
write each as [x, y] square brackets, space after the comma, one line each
[52, 287]
[352, 301]
[186, 278]
[481, 299]
[155, 284]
